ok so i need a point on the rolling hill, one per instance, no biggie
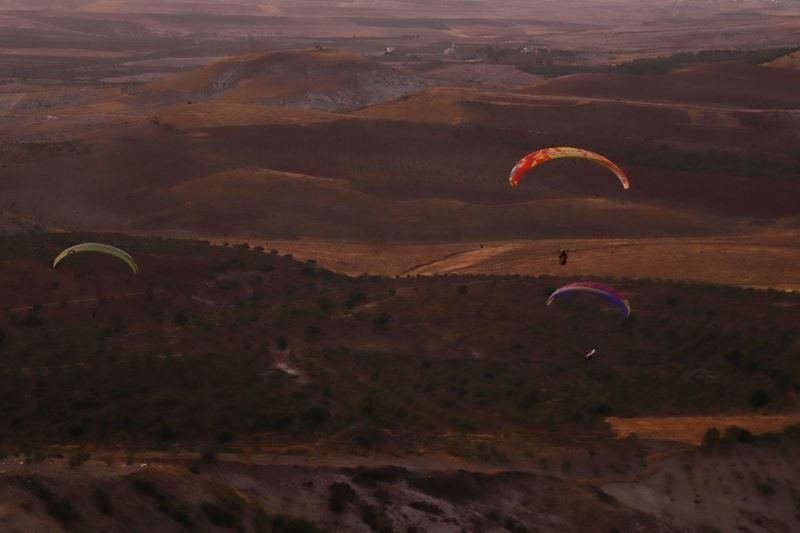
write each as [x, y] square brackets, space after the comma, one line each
[322, 79]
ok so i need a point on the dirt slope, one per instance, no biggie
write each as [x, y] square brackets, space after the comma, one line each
[327, 80]
[730, 84]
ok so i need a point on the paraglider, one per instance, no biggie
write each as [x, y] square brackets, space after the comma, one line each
[541, 156]
[599, 290]
[562, 258]
[590, 354]
[99, 248]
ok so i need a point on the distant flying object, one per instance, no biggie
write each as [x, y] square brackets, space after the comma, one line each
[590, 354]
[541, 156]
[599, 290]
[98, 248]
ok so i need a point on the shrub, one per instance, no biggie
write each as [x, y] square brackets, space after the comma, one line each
[372, 476]
[382, 321]
[758, 398]
[32, 321]
[426, 507]
[264, 523]
[59, 508]
[209, 456]
[737, 434]
[711, 438]
[281, 343]
[102, 502]
[354, 299]
[180, 319]
[316, 416]
[376, 519]
[219, 515]
[225, 437]
[462, 289]
[527, 401]
[734, 357]
[765, 489]
[341, 495]
[78, 458]
[313, 334]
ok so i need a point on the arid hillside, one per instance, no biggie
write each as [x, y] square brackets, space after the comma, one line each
[242, 154]
[327, 80]
[226, 386]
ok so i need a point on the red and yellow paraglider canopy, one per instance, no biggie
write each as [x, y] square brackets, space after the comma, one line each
[547, 154]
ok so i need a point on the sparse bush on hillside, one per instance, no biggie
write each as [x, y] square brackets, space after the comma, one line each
[354, 299]
[2, 340]
[78, 458]
[462, 289]
[341, 495]
[59, 508]
[734, 357]
[325, 304]
[209, 456]
[765, 488]
[376, 519]
[758, 398]
[313, 334]
[382, 321]
[265, 523]
[316, 416]
[225, 437]
[102, 502]
[281, 343]
[737, 434]
[32, 321]
[711, 438]
[180, 319]
[219, 515]
[527, 401]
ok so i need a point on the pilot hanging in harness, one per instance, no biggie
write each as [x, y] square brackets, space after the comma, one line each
[562, 258]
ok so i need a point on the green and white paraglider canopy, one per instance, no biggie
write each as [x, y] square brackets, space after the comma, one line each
[98, 248]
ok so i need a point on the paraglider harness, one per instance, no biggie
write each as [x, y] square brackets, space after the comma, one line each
[562, 258]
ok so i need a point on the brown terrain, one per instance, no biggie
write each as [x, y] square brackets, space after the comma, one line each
[368, 144]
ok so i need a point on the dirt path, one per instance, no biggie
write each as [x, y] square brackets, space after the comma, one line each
[504, 96]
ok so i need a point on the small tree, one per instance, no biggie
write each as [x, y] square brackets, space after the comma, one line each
[382, 321]
[180, 318]
[313, 334]
[711, 438]
[281, 343]
[758, 398]
[341, 495]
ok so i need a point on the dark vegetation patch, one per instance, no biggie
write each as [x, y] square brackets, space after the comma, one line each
[59, 507]
[132, 374]
[457, 487]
